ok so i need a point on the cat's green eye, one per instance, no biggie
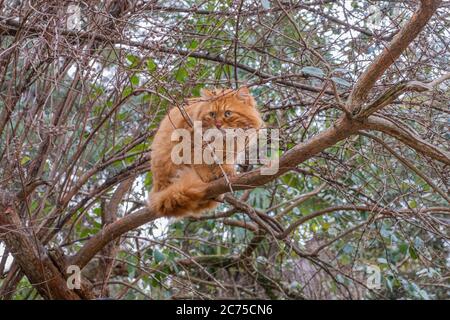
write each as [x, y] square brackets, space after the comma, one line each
[227, 113]
[212, 114]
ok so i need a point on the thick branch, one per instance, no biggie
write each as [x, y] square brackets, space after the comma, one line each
[342, 129]
[111, 232]
[32, 257]
[408, 138]
[391, 53]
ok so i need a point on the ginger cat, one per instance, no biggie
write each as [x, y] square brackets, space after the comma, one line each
[179, 189]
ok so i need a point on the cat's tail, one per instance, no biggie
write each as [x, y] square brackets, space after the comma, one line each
[184, 197]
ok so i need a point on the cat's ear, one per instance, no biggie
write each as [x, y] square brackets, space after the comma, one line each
[206, 94]
[243, 93]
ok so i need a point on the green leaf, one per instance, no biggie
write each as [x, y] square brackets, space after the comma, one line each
[403, 247]
[134, 80]
[151, 65]
[412, 253]
[98, 211]
[191, 62]
[134, 60]
[181, 75]
[313, 71]
[193, 44]
[218, 72]
[127, 91]
[158, 256]
[122, 116]
[196, 90]
[325, 225]
[412, 204]
[25, 160]
[345, 259]
[148, 179]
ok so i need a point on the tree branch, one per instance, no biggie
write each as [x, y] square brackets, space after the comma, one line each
[11, 27]
[32, 257]
[391, 53]
[407, 137]
[342, 129]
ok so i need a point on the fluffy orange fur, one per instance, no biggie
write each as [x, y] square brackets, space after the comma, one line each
[179, 189]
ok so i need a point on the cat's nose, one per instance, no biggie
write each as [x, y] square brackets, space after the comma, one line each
[218, 124]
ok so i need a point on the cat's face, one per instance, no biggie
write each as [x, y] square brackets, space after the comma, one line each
[226, 109]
